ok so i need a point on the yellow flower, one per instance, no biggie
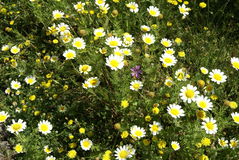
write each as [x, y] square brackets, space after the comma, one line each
[146, 142]
[161, 144]
[71, 136]
[203, 157]
[155, 110]
[178, 41]
[202, 5]
[70, 122]
[214, 97]
[124, 103]
[181, 54]
[82, 130]
[18, 148]
[233, 105]
[206, 141]
[72, 154]
[201, 114]
[32, 98]
[124, 134]
[147, 118]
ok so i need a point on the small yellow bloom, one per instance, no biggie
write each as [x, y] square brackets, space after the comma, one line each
[233, 105]
[206, 141]
[146, 142]
[18, 148]
[155, 110]
[124, 103]
[181, 54]
[82, 130]
[70, 122]
[162, 144]
[147, 118]
[124, 134]
[70, 136]
[214, 97]
[72, 154]
[178, 41]
[202, 5]
[32, 98]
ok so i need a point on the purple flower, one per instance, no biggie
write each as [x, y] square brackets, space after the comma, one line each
[136, 71]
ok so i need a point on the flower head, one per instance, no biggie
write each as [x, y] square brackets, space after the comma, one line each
[136, 71]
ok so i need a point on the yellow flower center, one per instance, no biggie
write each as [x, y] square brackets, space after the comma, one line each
[57, 15]
[16, 85]
[114, 63]
[16, 126]
[210, 125]
[222, 142]
[236, 119]
[202, 104]
[15, 50]
[217, 77]
[3, 118]
[114, 43]
[93, 82]
[99, 34]
[233, 144]
[85, 68]
[165, 43]
[155, 128]
[175, 146]
[30, 80]
[86, 144]
[168, 60]
[138, 133]
[152, 12]
[148, 40]
[44, 127]
[78, 44]
[189, 93]
[235, 65]
[182, 10]
[123, 154]
[70, 55]
[136, 86]
[174, 111]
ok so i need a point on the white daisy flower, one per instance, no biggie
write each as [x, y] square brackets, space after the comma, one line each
[15, 50]
[44, 127]
[175, 111]
[17, 126]
[204, 70]
[222, 142]
[189, 93]
[169, 51]
[69, 54]
[57, 14]
[168, 60]
[204, 103]
[100, 2]
[155, 127]
[122, 153]
[235, 62]
[136, 85]
[3, 116]
[217, 76]
[153, 11]
[79, 6]
[148, 38]
[128, 40]
[47, 149]
[78, 43]
[137, 132]
[210, 125]
[145, 28]
[85, 69]
[166, 42]
[118, 52]
[30, 80]
[134, 7]
[126, 52]
[183, 10]
[235, 117]
[113, 42]
[7, 91]
[233, 143]
[175, 145]
[115, 62]
[5, 47]
[86, 144]
[99, 32]
[15, 85]
[181, 74]
[62, 28]
[92, 82]
[50, 158]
